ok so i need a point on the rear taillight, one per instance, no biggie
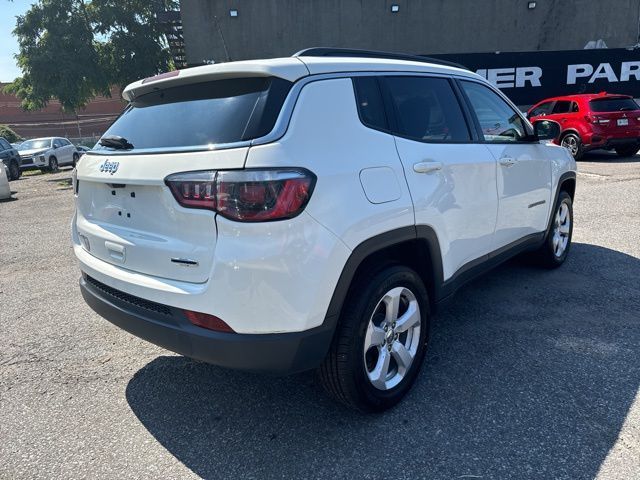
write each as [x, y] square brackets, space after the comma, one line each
[597, 120]
[245, 195]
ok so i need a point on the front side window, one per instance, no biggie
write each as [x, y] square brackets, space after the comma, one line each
[427, 109]
[498, 121]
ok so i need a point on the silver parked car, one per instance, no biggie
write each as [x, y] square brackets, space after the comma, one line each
[48, 153]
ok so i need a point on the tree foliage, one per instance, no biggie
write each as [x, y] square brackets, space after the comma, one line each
[8, 134]
[73, 50]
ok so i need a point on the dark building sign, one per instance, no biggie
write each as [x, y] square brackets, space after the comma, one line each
[528, 77]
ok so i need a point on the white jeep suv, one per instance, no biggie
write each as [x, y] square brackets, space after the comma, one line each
[313, 211]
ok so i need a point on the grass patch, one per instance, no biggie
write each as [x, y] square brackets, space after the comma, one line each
[32, 173]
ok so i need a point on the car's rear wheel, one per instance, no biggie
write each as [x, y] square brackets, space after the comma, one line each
[572, 142]
[627, 151]
[558, 242]
[75, 159]
[380, 340]
[14, 170]
[53, 165]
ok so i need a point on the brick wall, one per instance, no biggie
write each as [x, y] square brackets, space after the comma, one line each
[51, 121]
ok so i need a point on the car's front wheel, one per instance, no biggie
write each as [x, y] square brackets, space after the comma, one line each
[14, 170]
[380, 340]
[53, 165]
[558, 242]
[572, 142]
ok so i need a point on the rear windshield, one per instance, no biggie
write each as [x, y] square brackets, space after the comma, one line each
[613, 105]
[196, 115]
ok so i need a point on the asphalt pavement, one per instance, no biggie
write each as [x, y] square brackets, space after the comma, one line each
[530, 373]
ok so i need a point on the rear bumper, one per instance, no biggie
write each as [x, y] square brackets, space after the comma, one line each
[279, 353]
[605, 142]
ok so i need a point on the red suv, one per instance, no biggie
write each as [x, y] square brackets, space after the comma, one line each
[590, 121]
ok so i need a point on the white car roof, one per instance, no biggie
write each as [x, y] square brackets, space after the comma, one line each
[288, 68]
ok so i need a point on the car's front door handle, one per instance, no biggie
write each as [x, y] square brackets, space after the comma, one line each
[507, 161]
[427, 167]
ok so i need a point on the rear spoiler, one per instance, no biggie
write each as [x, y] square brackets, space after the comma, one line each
[290, 69]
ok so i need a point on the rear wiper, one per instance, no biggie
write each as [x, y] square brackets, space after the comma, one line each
[626, 109]
[114, 141]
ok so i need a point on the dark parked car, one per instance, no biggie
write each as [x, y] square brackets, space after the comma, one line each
[82, 149]
[11, 158]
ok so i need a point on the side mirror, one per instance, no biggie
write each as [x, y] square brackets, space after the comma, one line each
[546, 129]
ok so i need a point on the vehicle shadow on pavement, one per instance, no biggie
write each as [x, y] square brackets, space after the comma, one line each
[603, 156]
[530, 374]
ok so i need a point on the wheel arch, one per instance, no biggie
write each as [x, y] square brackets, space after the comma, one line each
[414, 246]
[566, 183]
[569, 130]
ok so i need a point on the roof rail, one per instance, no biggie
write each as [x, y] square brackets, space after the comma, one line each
[352, 52]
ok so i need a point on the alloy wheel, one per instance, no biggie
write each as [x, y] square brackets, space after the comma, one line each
[570, 143]
[561, 230]
[392, 338]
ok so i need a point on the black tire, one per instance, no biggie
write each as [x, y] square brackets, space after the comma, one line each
[14, 170]
[547, 255]
[53, 165]
[572, 142]
[343, 372]
[75, 159]
[627, 151]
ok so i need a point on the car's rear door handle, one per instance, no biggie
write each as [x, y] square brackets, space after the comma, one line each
[507, 161]
[427, 167]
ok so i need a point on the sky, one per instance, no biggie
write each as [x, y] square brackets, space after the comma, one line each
[8, 44]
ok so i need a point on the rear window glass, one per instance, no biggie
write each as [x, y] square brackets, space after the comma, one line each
[427, 109]
[562, 107]
[370, 103]
[221, 111]
[613, 105]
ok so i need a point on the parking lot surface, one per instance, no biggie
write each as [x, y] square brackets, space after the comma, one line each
[530, 373]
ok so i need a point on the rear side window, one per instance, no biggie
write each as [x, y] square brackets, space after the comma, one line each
[196, 115]
[370, 104]
[613, 105]
[562, 106]
[4, 145]
[427, 109]
[542, 109]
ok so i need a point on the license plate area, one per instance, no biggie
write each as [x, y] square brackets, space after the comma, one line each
[623, 122]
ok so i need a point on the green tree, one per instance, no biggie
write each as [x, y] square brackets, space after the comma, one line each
[73, 50]
[8, 134]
